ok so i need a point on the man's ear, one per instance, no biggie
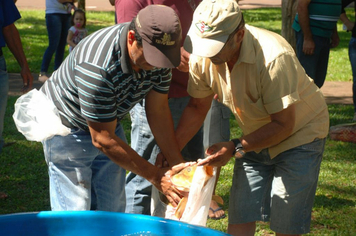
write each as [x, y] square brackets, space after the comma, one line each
[240, 35]
[131, 37]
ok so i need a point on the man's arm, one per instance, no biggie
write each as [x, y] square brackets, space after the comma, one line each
[280, 128]
[104, 138]
[349, 24]
[13, 41]
[303, 16]
[192, 119]
[161, 123]
[335, 39]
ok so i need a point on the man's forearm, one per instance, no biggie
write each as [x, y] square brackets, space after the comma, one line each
[162, 127]
[192, 119]
[104, 138]
[303, 17]
[280, 128]
[161, 123]
[13, 42]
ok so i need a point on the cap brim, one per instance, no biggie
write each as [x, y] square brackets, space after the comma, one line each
[204, 47]
[169, 58]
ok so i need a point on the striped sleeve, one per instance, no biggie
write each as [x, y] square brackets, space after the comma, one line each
[163, 81]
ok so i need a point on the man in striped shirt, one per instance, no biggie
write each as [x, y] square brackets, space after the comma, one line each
[316, 33]
[95, 87]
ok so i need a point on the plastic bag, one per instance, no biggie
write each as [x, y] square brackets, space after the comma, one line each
[197, 206]
[37, 118]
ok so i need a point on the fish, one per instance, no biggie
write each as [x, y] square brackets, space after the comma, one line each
[183, 181]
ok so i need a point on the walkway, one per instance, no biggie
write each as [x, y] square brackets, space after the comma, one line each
[104, 5]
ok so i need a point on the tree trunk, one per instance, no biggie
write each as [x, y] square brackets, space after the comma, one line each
[81, 4]
[289, 9]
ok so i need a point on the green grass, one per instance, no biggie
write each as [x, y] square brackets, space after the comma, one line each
[23, 171]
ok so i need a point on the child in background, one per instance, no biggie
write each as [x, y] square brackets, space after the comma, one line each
[77, 31]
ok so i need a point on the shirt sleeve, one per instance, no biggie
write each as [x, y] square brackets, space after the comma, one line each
[280, 83]
[162, 81]
[9, 12]
[198, 84]
[8, 15]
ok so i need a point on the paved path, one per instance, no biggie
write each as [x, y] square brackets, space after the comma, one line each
[334, 92]
[104, 5]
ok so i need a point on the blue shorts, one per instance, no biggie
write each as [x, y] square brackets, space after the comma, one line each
[280, 190]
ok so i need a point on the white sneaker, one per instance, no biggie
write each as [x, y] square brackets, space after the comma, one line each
[42, 77]
[354, 119]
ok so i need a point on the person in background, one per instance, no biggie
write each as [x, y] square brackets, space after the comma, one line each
[111, 70]
[77, 31]
[138, 190]
[316, 32]
[350, 25]
[58, 23]
[282, 114]
[10, 37]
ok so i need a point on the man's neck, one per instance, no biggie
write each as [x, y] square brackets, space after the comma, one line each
[234, 59]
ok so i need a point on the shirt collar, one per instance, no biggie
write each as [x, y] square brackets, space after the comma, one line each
[247, 53]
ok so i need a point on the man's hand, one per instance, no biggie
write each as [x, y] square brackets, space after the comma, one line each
[308, 46]
[166, 186]
[335, 40]
[184, 60]
[27, 79]
[219, 154]
[161, 161]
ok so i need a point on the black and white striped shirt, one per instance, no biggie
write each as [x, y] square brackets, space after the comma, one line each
[96, 81]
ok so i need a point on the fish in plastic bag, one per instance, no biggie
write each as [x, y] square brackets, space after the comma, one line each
[196, 184]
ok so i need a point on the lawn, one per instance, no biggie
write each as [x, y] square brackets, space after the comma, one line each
[23, 171]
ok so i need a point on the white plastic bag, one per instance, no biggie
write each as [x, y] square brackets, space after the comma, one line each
[37, 118]
[199, 198]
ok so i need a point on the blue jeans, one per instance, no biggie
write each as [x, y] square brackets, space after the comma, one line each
[138, 189]
[4, 89]
[82, 177]
[57, 30]
[281, 189]
[352, 57]
[315, 65]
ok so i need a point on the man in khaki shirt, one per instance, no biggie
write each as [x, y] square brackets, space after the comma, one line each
[282, 114]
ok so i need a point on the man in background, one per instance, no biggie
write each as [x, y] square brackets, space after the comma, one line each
[316, 32]
[10, 37]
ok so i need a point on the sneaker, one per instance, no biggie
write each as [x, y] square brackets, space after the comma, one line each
[42, 77]
[354, 119]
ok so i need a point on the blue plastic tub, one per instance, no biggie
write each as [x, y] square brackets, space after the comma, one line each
[87, 223]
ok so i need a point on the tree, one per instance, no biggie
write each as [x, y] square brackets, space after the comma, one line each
[289, 9]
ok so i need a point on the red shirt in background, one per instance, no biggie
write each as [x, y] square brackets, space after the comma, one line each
[126, 10]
